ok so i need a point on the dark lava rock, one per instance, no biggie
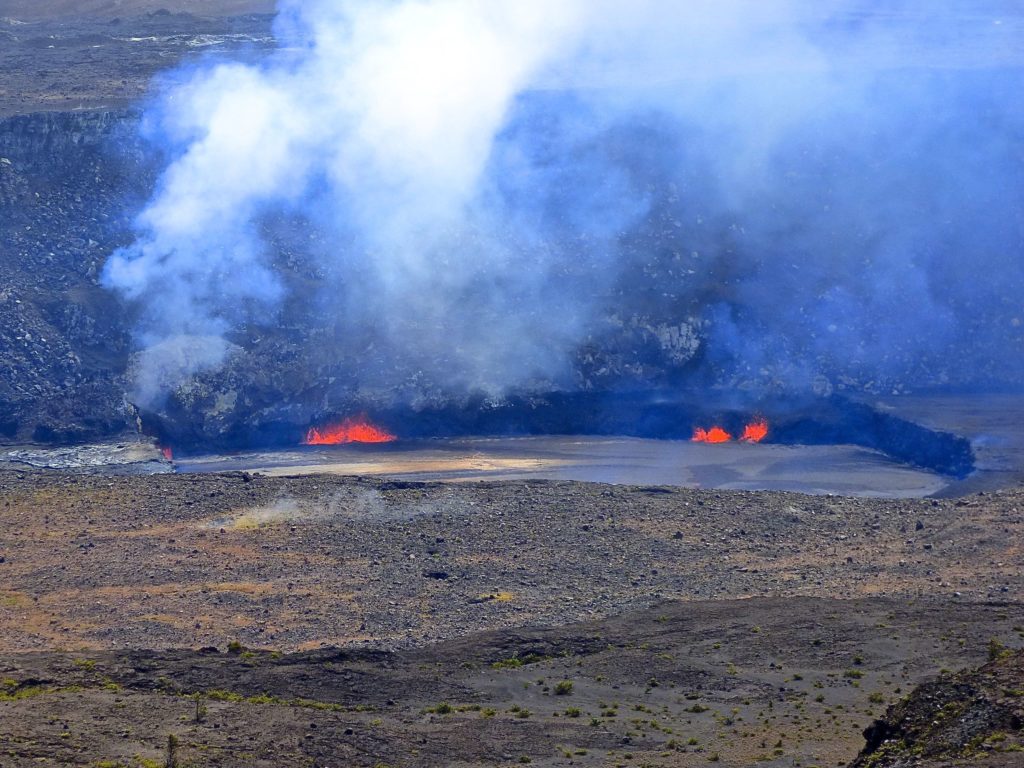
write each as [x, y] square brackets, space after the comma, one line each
[975, 716]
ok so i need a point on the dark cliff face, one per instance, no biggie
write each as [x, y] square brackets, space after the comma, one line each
[44, 141]
[64, 181]
[69, 185]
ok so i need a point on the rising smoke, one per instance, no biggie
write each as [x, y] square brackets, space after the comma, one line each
[484, 188]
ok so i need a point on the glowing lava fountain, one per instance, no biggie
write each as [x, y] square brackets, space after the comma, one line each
[358, 430]
[713, 435]
[754, 432]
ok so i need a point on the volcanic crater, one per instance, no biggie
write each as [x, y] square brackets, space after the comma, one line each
[205, 579]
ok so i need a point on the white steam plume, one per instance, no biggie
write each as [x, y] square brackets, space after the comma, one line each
[496, 172]
[393, 105]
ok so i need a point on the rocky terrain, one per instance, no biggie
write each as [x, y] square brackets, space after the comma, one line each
[975, 717]
[762, 681]
[289, 563]
[383, 623]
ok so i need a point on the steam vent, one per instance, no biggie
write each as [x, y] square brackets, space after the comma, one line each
[486, 383]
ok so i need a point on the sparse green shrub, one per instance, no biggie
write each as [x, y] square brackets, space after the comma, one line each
[24, 692]
[515, 661]
[996, 650]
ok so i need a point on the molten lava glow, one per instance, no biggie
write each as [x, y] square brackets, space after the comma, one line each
[168, 453]
[713, 435]
[755, 432]
[349, 431]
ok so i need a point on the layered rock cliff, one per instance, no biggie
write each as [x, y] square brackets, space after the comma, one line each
[64, 181]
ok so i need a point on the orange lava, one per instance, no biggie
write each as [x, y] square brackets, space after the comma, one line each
[349, 431]
[755, 432]
[713, 435]
[168, 453]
